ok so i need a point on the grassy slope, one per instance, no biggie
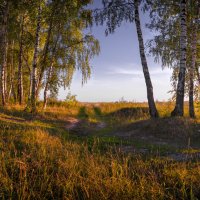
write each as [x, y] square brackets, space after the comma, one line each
[111, 153]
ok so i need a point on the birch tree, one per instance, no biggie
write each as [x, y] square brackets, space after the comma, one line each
[35, 60]
[179, 107]
[113, 14]
[4, 47]
[42, 44]
[20, 76]
[195, 8]
[168, 46]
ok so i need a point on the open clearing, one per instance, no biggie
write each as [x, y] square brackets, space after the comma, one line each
[104, 151]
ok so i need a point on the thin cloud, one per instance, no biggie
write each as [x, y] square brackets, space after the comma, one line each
[156, 72]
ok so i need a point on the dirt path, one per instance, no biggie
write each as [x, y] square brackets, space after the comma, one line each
[72, 123]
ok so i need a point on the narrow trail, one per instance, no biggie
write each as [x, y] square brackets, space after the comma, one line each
[72, 123]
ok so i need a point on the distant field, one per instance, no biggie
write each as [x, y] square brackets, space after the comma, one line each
[98, 151]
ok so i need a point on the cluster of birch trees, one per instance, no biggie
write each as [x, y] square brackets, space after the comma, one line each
[42, 44]
[176, 24]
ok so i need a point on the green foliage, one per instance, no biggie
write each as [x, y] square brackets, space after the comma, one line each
[63, 44]
[114, 13]
[165, 46]
[71, 100]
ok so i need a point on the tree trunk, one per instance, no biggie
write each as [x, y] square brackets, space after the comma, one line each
[11, 71]
[20, 79]
[49, 74]
[34, 67]
[44, 59]
[4, 45]
[152, 107]
[45, 97]
[47, 85]
[191, 90]
[30, 86]
[193, 64]
[198, 74]
[179, 107]
[46, 49]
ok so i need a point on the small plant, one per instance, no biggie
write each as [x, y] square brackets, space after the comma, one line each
[71, 100]
[122, 100]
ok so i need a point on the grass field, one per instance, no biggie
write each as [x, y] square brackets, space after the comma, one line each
[99, 151]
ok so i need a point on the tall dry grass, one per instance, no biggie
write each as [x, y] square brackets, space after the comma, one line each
[36, 165]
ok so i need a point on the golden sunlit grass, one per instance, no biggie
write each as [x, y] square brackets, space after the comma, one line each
[36, 162]
[35, 165]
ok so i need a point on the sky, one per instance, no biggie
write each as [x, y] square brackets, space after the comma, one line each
[117, 71]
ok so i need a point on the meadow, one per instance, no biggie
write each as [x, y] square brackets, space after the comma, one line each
[99, 151]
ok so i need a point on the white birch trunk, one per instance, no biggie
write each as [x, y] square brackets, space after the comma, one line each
[152, 107]
[4, 45]
[179, 107]
[47, 85]
[20, 78]
[35, 59]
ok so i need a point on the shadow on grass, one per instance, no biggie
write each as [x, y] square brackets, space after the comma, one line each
[20, 120]
[28, 116]
[130, 113]
[97, 111]
[82, 114]
[17, 113]
[177, 131]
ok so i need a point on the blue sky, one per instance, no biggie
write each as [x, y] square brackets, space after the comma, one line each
[117, 71]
